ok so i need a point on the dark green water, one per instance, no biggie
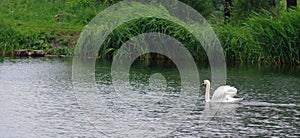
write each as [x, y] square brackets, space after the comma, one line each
[37, 100]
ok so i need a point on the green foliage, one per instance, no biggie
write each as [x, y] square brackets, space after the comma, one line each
[217, 4]
[81, 10]
[108, 2]
[45, 15]
[263, 38]
[36, 24]
[279, 37]
[243, 8]
[238, 44]
[145, 25]
[11, 40]
[258, 33]
[205, 7]
[8, 39]
[63, 50]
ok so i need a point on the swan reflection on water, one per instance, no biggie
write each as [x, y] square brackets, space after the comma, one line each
[209, 117]
[217, 110]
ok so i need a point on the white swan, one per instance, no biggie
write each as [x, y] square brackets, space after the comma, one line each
[221, 94]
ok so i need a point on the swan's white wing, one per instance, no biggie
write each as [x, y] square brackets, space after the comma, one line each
[224, 92]
[230, 91]
[218, 93]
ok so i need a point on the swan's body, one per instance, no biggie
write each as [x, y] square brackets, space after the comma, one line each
[221, 94]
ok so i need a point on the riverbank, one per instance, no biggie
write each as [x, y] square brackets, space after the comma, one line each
[51, 43]
[54, 27]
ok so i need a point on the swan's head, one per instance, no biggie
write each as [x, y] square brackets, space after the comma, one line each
[205, 82]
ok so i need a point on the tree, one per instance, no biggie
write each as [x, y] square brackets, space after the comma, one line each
[243, 8]
[227, 10]
[205, 7]
[217, 4]
[291, 3]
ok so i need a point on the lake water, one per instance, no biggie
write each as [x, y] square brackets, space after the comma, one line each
[37, 99]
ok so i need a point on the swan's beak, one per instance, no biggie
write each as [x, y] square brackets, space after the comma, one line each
[202, 84]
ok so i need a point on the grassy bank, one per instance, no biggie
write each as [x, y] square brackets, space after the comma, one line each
[54, 43]
[55, 26]
[52, 26]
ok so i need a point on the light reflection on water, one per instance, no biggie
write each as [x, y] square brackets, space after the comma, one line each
[37, 100]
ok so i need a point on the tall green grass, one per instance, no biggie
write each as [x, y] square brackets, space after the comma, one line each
[146, 25]
[239, 44]
[8, 40]
[279, 37]
[263, 38]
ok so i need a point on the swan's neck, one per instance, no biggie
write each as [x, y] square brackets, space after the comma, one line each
[207, 95]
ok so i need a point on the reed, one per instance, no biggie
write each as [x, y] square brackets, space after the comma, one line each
[261, 38]
[277, 36]
[238, 44]
[146, 25]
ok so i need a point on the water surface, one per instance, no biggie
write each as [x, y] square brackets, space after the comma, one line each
[37, 100]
